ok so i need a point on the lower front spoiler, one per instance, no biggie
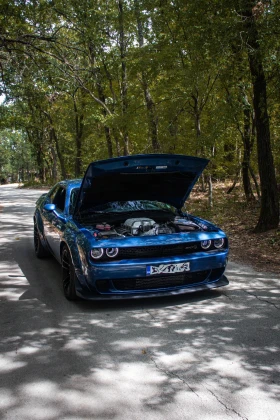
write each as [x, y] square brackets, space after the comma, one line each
[223, 281]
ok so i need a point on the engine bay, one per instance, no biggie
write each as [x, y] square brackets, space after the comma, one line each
[144, 226]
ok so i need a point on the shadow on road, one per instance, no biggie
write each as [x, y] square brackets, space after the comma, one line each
[207, 355]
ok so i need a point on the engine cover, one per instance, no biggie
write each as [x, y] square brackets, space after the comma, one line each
[139, 225]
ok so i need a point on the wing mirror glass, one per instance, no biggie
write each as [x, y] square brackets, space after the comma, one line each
[49, 207]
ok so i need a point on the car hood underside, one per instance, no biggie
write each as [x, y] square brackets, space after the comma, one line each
[156, 177]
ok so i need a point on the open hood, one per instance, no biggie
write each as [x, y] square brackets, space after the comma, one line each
[155, 177]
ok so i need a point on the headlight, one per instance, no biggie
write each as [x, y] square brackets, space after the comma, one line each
[96, 253]
[112, 252]
[218, 243]
[205, 244]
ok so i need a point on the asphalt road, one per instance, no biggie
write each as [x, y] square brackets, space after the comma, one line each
[212, 355]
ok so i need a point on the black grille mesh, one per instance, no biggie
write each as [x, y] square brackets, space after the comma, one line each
[154, 282]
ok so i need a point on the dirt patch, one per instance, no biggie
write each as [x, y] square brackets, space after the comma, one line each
[238, 219]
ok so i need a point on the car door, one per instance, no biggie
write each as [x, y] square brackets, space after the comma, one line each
[54, 221]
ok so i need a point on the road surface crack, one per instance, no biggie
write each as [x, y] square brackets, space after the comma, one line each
[151, 315]
[262, 300]
[226, 295]
[171, 374]
[225, 406]
[156, 319]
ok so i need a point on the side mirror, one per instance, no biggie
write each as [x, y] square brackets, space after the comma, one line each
[49, 207]
[52, 208]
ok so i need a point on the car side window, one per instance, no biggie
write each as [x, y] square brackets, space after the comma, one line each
[52, 193]
[73, 199]
[59, 198]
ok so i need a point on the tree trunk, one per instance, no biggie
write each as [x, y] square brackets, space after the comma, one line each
[54, 139]
[107, 130]
[79, 128]
[54, 164]
[196, 112]
[122, 46]
[173, 131]
[231, 188]
[247, 135]
[36, 139]
[101, 96]
[117, 141]
[255, 182]
[40, 164]
[210, 192]
[152, 117]
[150, 105]
[247, 149]
[269, 213]
[59, 154]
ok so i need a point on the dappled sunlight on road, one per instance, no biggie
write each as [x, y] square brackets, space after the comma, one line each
[210, 355]
[152, 364]
[8, 363]
[13, 282]
[20, 224]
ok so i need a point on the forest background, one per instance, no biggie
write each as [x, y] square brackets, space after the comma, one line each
[94, 79]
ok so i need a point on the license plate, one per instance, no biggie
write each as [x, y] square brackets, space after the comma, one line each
[167, 268]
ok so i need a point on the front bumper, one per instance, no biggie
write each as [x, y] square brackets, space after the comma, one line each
[127, 278]
[223, 281]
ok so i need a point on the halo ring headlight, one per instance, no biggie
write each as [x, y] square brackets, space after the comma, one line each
[97, 253]
[219, 243]
[112, 252]
[206, 244]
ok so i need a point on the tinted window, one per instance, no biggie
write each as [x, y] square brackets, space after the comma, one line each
[73, 199]
[53, 192]
[59, 198]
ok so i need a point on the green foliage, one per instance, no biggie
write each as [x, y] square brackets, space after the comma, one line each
[76, 75]
[15, 156]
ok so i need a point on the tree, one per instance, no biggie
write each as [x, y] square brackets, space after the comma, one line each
[16, 161]
[138, 76]
[269, 214]
[150, 104]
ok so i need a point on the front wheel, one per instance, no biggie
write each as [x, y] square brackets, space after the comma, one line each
[68, 275]
[40, 250]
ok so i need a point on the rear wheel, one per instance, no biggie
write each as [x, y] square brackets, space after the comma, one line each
[40, 250]
[68, 275]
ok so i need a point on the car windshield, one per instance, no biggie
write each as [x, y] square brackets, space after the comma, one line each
[130, 206]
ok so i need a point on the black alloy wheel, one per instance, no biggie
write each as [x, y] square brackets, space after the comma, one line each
[40, 250]
[68, 275]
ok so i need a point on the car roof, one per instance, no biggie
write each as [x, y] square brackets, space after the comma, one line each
[71, 183]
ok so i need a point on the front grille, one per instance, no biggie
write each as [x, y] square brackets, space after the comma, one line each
[160, 282]
[157, 251]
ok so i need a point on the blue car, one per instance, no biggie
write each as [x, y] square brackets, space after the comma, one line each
[121, 232]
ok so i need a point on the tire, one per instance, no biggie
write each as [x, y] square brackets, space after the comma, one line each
[68, 275]
[40, 250]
